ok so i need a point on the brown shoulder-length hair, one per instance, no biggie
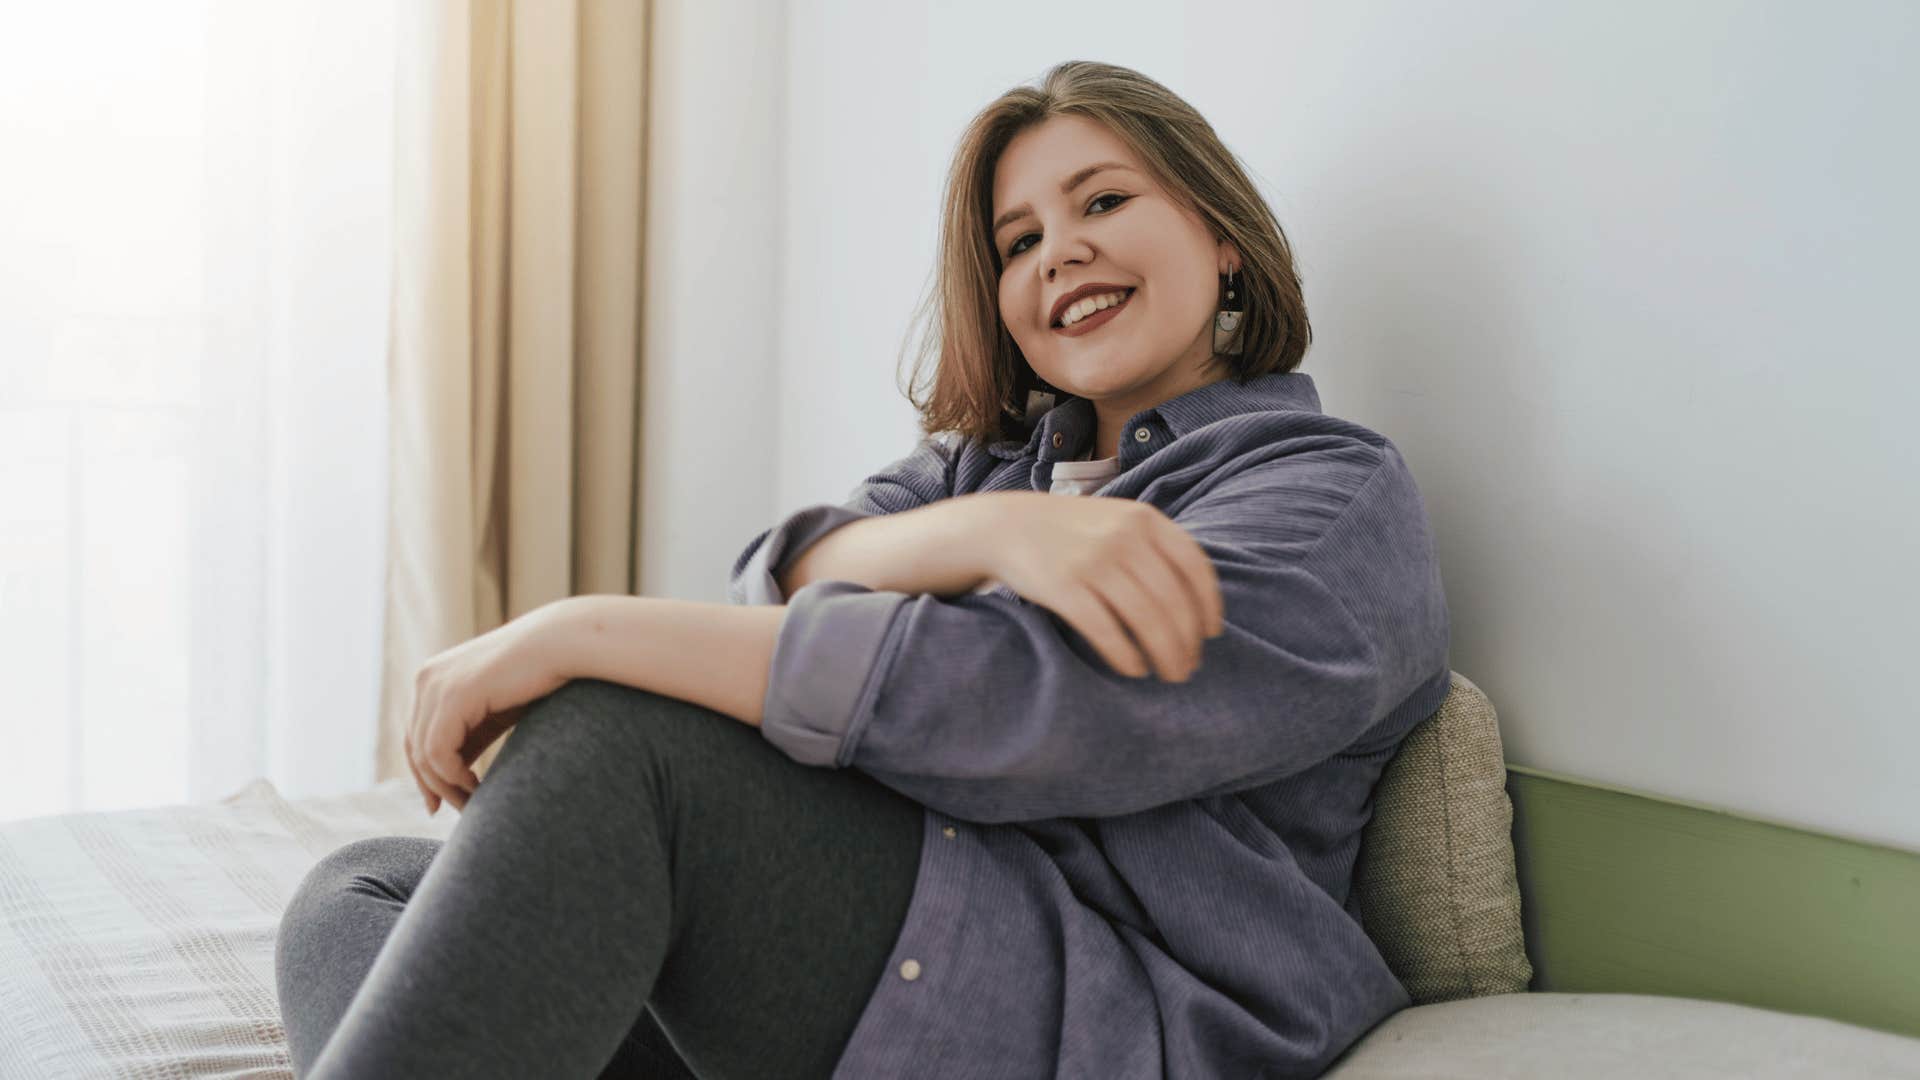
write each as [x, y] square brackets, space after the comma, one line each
[980, 377]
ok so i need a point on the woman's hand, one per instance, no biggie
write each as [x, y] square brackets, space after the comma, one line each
[1101, 563]
[470, 695]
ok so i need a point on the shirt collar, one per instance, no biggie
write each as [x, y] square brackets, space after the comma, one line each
[1073, 418]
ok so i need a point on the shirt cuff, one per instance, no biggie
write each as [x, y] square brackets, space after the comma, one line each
[755, 583]
[829, 661]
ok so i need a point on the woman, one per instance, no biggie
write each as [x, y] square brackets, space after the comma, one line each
[1041, 786]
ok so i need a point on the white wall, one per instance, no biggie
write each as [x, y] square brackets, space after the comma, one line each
[1625, 282]
[710, 411]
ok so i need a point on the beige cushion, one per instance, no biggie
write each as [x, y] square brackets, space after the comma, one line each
[1435, 878]
[1578, 1036]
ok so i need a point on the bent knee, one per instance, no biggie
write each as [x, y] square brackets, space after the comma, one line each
[612, 702]
[588, 719]
[392, 862]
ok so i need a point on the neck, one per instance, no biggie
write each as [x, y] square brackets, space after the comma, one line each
[1113, 411]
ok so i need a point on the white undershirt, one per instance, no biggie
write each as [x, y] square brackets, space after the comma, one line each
[1082, 476]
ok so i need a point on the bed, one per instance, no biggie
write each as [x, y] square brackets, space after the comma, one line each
[140, 943]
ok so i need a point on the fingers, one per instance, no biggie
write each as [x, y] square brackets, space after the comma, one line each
[443, 755]
[426, 793]
[1088, 613]
[413, 756]
[443, 791]
[1182, 615]
[427, 753]
[438, 789]
[1153, 621]
[1196, 569]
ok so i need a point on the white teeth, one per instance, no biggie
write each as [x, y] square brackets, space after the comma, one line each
[1088, 306]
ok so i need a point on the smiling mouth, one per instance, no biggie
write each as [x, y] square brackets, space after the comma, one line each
[1096, 319]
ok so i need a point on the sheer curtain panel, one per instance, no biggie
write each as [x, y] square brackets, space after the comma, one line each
[195, 253]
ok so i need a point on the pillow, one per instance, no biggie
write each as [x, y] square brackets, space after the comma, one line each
[1434, 879]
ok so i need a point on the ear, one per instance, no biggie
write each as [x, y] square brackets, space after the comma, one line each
[1228, 257]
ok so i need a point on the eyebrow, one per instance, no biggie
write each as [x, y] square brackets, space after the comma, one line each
[1066, 188]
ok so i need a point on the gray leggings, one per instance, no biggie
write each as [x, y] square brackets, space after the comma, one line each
[640, 886]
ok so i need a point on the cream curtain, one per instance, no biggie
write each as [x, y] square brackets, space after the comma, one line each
[514, 357]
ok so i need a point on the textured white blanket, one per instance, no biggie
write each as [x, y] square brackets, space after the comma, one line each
[139, 943]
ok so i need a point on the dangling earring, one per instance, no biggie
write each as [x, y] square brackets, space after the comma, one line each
[1227, 321]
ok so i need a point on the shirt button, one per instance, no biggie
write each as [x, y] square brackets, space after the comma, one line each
[949, 831]
[910, 970]
[1141, 434]
[1058, 438]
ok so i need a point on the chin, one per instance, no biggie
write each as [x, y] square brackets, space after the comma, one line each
[1107, 378]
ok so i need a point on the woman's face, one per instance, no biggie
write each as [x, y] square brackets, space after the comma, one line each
[1116, 226]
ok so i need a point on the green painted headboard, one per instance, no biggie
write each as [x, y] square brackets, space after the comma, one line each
[1625, 892]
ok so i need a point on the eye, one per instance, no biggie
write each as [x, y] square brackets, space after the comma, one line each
[1015, 248]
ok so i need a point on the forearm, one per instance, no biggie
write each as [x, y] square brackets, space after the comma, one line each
[715, 655]
[937, 549]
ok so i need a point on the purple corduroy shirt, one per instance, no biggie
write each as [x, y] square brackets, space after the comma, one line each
[1122, 877]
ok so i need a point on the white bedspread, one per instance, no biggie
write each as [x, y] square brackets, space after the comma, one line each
[139, 943]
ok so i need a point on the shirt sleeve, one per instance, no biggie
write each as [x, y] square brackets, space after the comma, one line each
[923, 476]
[991, 709]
